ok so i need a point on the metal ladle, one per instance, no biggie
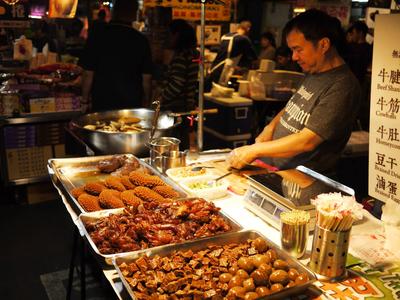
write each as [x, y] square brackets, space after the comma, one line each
[154, 123]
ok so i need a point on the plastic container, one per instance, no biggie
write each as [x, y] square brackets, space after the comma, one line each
[184, 173]
[206, 191]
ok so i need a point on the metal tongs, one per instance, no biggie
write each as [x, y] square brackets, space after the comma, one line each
[154, 122]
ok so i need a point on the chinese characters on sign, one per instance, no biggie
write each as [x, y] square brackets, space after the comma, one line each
[384, 143]
[190, 9]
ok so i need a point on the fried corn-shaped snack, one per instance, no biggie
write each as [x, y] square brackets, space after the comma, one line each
[89, 202]
[147, 194]
[130, 199]
[110, 199]
[76, 192]
[166, 191]
[140, 179]
[94, 188]
[115, 183]
[127, 183]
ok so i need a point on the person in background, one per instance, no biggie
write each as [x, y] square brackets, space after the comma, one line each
[268, 46]
[359, 59]
[284, 60]
[97, 27]
[234, 45]
[179, 93]
[118, 64]
[317, 121]
[359, 52]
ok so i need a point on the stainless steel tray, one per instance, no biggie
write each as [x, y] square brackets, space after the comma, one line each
[75, 172]
[92, 216]
[227, 238]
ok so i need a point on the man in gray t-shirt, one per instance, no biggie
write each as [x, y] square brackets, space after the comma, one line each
[317, 121]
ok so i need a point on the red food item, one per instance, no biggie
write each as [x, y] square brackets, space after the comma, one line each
[152, 224]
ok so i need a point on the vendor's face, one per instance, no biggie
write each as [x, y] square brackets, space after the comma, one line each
[310, 57]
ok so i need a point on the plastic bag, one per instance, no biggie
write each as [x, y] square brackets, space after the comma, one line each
[256, 88]
[23, 49]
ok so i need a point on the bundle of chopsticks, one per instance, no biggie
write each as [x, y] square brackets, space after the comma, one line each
[336, 212]
[295, 217]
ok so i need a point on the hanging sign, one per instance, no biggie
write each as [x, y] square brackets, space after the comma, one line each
[14, 15]
[384, 142]
[216, 10]
[62, 8]
[338, 9]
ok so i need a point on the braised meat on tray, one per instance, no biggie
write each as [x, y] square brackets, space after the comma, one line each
[150, 224]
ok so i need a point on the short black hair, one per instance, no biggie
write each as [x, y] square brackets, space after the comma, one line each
[270, 37]
[186, 34]
[316, 25]
[360, 26]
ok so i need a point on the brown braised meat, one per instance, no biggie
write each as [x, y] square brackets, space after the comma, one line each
[213, 273]
[119, 164]
[154, 224]
[109, 165]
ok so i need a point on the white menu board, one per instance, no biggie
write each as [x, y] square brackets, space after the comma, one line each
[384, 141]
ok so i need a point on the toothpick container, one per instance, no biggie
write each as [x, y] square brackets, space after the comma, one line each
[329, 254]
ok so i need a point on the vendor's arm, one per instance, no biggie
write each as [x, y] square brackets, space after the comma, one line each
[288, 146]
[268, 132]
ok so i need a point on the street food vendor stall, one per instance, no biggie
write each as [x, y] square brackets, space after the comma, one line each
[90, 186]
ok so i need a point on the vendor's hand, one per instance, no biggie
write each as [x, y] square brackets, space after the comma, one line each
[240, 157]
[265, 135]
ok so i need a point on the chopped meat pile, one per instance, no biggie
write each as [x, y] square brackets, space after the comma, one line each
[150, 224]
[248, 270]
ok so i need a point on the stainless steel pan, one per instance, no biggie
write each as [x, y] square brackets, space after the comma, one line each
[120, 142]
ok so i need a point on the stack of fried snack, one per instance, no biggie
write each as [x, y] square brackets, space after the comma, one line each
[121, 191]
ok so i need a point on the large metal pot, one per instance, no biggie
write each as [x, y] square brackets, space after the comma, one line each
[120, 142]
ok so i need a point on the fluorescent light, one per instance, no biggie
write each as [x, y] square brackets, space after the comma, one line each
[299, 10]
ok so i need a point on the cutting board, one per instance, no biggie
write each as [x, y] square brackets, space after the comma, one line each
[238, 179]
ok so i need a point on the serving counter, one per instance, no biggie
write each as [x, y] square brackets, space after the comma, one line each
[364, 281]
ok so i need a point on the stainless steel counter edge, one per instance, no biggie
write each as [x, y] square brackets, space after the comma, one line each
[39, 118]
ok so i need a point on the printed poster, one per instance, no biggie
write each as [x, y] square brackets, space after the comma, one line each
[384, 142]
[62, 8]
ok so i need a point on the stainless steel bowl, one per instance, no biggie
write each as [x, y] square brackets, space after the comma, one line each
[102, 142]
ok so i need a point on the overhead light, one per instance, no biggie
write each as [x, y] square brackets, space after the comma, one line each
[11, 2]
[299, 10]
